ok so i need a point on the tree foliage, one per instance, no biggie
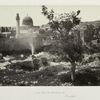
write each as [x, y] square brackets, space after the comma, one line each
[61, 26]
[62, 21]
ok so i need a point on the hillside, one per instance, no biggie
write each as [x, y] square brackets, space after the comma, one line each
[94, 23]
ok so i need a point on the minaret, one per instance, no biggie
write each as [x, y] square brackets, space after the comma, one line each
[18, 25]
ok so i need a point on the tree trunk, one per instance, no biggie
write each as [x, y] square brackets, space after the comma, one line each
[73, 67]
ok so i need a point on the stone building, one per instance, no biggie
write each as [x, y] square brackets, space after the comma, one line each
[27, 37]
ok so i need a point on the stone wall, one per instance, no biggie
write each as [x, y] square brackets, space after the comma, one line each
[19, 44]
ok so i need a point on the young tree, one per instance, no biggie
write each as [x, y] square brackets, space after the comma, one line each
[64, 28]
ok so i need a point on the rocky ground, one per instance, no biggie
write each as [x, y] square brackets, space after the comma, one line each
[19, 70]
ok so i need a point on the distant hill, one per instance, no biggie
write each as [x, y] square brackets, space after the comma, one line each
[94, 23]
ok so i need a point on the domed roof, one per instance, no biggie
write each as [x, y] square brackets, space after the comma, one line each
[27, 21]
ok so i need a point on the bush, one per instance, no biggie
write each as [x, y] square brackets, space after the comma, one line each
[36, 64]
[44, 61]
[65, 77]
[86, 77]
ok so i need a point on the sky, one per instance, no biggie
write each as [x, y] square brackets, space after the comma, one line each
[8, 13]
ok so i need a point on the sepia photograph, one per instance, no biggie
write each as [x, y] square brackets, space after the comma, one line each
[49, 45]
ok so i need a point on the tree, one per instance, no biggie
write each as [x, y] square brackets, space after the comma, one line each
[89, 33]
[64, 29]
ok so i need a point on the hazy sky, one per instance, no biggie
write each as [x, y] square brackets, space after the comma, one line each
[8, 13]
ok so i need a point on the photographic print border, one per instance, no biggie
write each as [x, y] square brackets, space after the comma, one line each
[48, 93]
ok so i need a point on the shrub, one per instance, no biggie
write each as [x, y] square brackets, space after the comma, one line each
[44, 61]
[36, 64]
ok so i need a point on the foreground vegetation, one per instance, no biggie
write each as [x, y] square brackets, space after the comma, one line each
[20, 72]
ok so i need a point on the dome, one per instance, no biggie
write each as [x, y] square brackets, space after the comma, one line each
[27, 21]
